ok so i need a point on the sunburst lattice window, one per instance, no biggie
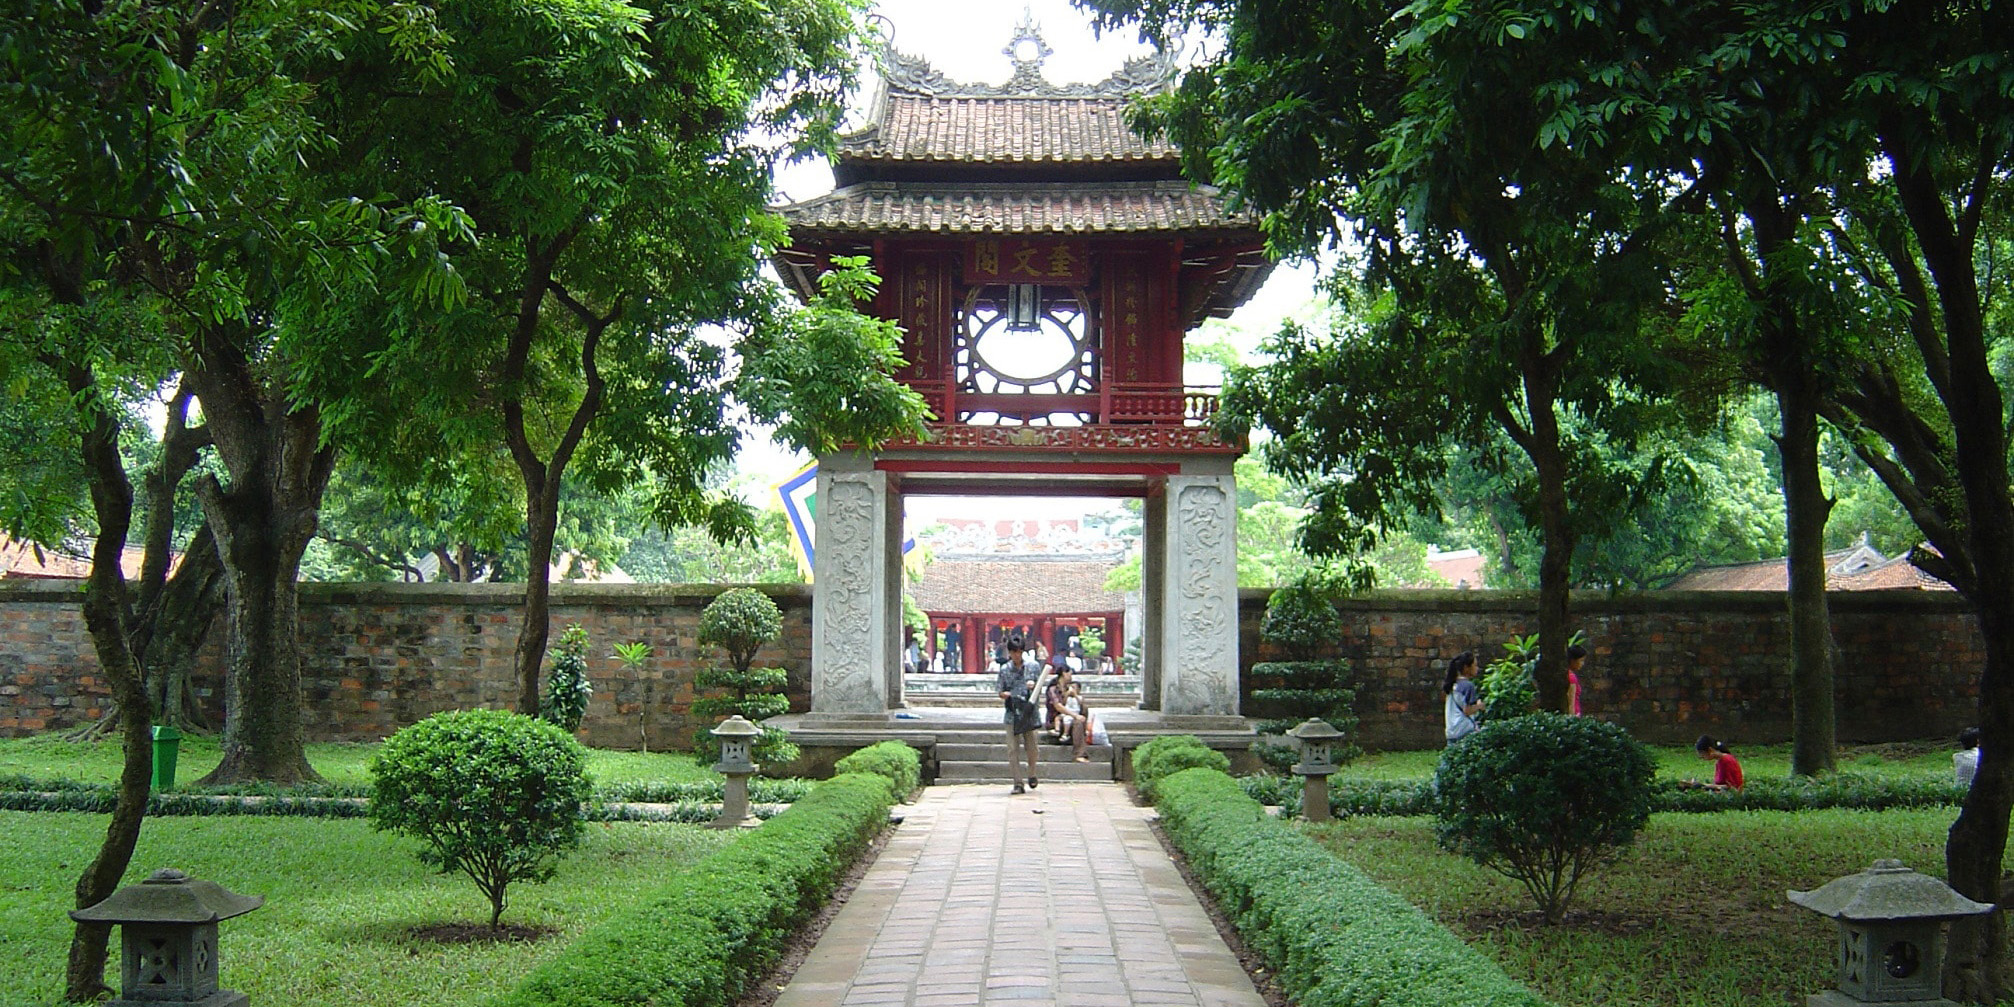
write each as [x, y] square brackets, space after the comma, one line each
[1056, 355]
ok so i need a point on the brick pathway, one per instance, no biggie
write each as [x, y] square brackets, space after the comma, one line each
[944, 919]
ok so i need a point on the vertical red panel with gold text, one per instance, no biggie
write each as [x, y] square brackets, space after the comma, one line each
[1127, 316]
[925, 311]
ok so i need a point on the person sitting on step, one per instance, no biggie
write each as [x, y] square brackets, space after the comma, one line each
[1067, 716]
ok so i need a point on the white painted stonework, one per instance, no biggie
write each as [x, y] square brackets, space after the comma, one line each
[849, 615]
[1199, 624]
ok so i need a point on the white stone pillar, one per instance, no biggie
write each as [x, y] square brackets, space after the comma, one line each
[1199, 610]
[851, 642]
[1153, 595]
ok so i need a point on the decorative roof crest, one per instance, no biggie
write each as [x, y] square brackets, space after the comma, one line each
[1028, 52]
[914, 74]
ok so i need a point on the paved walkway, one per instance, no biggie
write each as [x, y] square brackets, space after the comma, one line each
[977, 899]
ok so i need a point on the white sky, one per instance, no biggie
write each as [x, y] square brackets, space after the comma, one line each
[964, 41]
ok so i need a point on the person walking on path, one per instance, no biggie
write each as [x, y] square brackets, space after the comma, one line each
[1463, 702]
[1018, 678]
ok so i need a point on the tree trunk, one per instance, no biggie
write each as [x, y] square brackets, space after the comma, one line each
[1791, 372]
[105, 614]
[535, 631]
[263, 522]
[1813, 736]
[1555, 576]
[171, 634]
[1978, 839]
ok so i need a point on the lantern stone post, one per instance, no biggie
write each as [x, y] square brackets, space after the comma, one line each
[1317, 739]
[735, 734]
[168, 939]
[1891, 935]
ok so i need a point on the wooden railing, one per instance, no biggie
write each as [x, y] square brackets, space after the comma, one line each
[1113, 403]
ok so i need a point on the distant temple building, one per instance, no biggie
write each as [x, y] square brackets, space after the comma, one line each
[1861, 568]
[1045, 262]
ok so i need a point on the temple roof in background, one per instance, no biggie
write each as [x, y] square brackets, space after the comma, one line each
[1018, 584]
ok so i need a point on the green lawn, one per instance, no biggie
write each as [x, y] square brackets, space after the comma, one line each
[340, 901]
[1694, 914]
[48, 756]
[1678, 763]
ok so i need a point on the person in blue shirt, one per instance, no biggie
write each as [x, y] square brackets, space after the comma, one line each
[1463, 701]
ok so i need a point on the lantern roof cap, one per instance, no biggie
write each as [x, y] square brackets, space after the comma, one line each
[1888, 891]
[1314, 729]
[170, 896]
[736, 727]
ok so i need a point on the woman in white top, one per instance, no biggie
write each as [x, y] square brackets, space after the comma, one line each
[1463, 701]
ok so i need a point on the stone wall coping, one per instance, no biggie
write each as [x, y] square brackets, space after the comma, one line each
[1596, 603]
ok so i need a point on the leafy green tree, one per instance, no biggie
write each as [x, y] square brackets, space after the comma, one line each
[158, 219]
[1855, 156]
[1543, 800]
[612, 160]
[693, 556]
[1515, 291]
[494, 795]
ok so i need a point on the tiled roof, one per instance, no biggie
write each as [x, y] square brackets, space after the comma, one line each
[22, 559]
[1859, 569]
[1017, 208]
[1019, 585]
[1003, 130]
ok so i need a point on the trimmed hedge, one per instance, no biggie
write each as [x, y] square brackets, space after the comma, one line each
[1169, 754]
[1335, 938]
[1844, 790]
[902, 765]
[699, 941]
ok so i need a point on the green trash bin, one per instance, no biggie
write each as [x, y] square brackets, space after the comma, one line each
[167, 745]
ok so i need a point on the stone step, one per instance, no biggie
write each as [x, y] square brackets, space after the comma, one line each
[977, 752]
[996, 772]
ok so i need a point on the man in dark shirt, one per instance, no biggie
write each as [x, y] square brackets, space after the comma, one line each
[1017, 677]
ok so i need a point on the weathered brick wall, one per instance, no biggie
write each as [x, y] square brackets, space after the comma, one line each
[381, 656]
[1668, 665]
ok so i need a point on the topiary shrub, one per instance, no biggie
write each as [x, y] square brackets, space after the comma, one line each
[566, 688]
[897, 761]
[1543, 799]
[1301, 621]
[742, 621]
[494, 795]
[1170, 754]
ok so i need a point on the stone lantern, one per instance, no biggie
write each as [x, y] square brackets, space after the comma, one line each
[168, 939]
[1891, 935]
[735, 734]
[1317, 739]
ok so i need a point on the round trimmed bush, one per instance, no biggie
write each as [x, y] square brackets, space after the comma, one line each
[1170, 754]
[494, 795]
[1543, 799]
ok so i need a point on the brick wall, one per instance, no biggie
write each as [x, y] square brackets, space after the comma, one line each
[381, 656]
[1669, 665]
[1672, 665]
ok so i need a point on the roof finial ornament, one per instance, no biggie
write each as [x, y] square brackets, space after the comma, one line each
[1028, 51]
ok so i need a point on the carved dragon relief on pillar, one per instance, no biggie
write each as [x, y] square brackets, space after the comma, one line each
[1205, 604]
[849, 545]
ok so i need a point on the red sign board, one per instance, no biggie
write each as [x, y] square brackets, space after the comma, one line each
[1020, 260]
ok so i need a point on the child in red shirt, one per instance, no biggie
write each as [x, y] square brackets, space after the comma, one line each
[1726, 768]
